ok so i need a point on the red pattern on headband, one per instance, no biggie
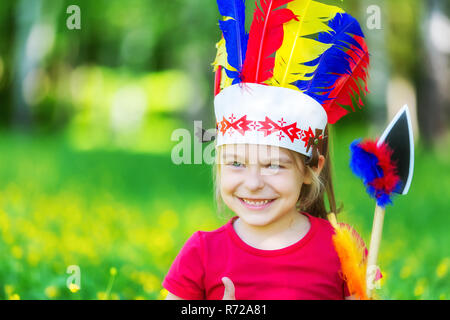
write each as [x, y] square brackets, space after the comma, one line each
[268, 126]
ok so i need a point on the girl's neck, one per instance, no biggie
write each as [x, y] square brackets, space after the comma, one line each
[279, 234]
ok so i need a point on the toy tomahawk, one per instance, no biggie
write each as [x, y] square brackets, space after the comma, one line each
[386, 167]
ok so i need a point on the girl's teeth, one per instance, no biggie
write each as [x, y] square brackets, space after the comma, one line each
[256, 203]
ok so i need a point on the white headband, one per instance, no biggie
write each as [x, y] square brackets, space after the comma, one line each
[259, 114]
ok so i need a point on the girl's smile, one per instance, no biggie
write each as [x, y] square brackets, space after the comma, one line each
[256, 204]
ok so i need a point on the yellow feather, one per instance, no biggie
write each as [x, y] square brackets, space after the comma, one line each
[296, 49]
[221, 56]
[222, 60]
[225, 81]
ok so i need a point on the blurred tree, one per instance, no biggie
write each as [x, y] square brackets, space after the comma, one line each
[7, 34]
[414, 57]
[433, 76]
[38, 54]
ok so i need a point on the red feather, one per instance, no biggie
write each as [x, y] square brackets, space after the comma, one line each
[349, 83]
[217, 79]
[383, 152]
[266, 37]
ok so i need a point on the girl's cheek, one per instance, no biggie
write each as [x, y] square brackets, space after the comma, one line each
[229, 181]
[287, 183]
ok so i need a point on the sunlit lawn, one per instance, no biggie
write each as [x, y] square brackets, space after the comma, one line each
[122, 218]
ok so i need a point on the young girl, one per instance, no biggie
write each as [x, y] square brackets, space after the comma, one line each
[272, 163]
[269, 250]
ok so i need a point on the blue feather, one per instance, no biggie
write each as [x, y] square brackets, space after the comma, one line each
[334, 62]
[236, 38]
[365, 166]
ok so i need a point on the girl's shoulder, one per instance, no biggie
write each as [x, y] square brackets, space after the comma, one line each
[326, 228]
[321, 224]
[213, 235]
[326, 225]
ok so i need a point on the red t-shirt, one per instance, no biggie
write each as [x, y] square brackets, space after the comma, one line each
[307, 269]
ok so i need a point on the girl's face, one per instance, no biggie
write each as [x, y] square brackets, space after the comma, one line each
[260, 183]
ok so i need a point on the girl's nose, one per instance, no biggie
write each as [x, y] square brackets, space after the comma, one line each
[254, 180]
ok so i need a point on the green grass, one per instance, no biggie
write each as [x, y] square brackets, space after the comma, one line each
[122, 217]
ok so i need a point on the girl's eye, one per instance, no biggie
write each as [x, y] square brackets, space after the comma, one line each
[274, 166]
[236, 164]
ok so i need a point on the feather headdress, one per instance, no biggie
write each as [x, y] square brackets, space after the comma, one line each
[307, 46]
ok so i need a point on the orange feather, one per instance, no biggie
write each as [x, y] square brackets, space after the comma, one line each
[351, 251]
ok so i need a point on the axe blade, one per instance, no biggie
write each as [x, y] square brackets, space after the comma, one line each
[399, 136]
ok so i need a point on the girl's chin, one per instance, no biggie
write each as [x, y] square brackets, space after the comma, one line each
[255, 221]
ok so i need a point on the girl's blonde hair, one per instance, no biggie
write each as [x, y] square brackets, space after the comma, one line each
[312, 195]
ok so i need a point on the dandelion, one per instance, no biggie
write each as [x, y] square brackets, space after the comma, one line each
[405, 272]
[442, 268]
[162, 294]
[9, 289]
[112, 272]
[73, 287]
[17, 252]
[420, 287]
[115, 296]
[33, 258]
[168, 220]
[150, 282]
[51, 292]
[102, 295]
[14, 296]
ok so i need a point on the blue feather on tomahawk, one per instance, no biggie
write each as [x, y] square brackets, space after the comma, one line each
[236, 38]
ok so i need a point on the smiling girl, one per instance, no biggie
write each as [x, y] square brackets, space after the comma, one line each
[272, 165]
[270, 249]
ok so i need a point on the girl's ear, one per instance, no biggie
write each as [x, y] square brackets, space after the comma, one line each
[308, 178]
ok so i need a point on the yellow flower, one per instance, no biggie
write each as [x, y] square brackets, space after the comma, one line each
[442, 268]
[115, 296]
[14, 296]
[162, 294]
[101, 295]
[33, 258]
[51, 292]
[168, 220]
[405, 272]
[73, 287]
[8, 237]
[17, 252]
[420, 287]
[150, 282]
[9, 289]
[113, 271]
